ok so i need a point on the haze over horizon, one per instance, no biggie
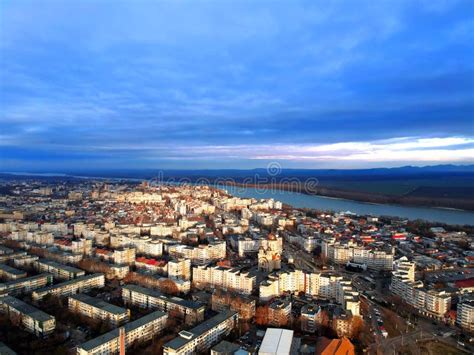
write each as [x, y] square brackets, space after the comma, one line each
[207, 84]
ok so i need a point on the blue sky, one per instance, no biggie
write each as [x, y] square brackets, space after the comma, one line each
[235, 84]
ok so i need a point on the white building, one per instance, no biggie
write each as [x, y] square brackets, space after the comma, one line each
[118, 340]
[202, 337]
[220, 277]
[71, 287]
[465, 314]
[277, 342]
[32, 319]
[96, 308]
[200, 255]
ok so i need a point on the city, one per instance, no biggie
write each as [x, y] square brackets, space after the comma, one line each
[93, 267]
[272, 177]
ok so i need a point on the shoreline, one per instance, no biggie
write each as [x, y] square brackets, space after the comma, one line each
[374, 199]
[322, 192]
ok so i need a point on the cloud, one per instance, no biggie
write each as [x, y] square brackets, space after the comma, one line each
[300, 80]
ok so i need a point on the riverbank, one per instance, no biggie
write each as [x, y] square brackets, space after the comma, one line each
[439, 202]
[322, 203]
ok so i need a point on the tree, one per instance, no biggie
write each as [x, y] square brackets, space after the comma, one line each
[168, 286]
[357, 324]
[261, 315]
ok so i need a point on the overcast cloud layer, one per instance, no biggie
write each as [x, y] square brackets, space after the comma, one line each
[213, 84]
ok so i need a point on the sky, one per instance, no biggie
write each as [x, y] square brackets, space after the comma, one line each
[235, 84]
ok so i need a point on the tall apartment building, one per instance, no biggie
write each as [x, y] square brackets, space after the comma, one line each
[191, 312]
[253, 243]
[10, 273]
[342, 253]
[118, 340]
[179, 269]
[430, 302]
[71, 287]
[26, 284]
[311, 317]
[202, 337]
[200, 255]
[279, 312]
[465, 314]
[122, 256]
[59, 271]
[36, 237]
[96, 308]
[322, 285]
[142, 244]
[32, 319]
[219, 277]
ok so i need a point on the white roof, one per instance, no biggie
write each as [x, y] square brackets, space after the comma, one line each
[276, 342]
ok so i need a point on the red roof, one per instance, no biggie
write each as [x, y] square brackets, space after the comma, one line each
[399, 236]
[465, 283]
[150, 261]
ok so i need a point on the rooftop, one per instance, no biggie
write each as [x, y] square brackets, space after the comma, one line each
[98, 303]
[104, 338]
[69, 282]
[60, 266]
[26, 309]
[200, 329]
[154, 293]
[11, 270]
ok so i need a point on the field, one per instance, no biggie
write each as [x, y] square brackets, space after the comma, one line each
[448, 187]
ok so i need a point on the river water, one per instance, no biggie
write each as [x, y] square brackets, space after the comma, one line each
[298, 200]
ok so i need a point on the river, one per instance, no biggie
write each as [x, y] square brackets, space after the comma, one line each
[298, 200]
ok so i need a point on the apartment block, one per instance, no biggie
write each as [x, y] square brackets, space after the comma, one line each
[179, 269]
[191, 312]
[229, 279]
[10, 273]
[342, 253]
[322, 285]
[96, 308]
[202, 337]
[32, 319]
[465, 314]
[279, 312]
[433, 303]
[11, 256]
[59, 271]
[310, 318]
[118, 340]
[26, 284]
[200, 255]
[25, 261]
[71, 287]
[121, 256]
